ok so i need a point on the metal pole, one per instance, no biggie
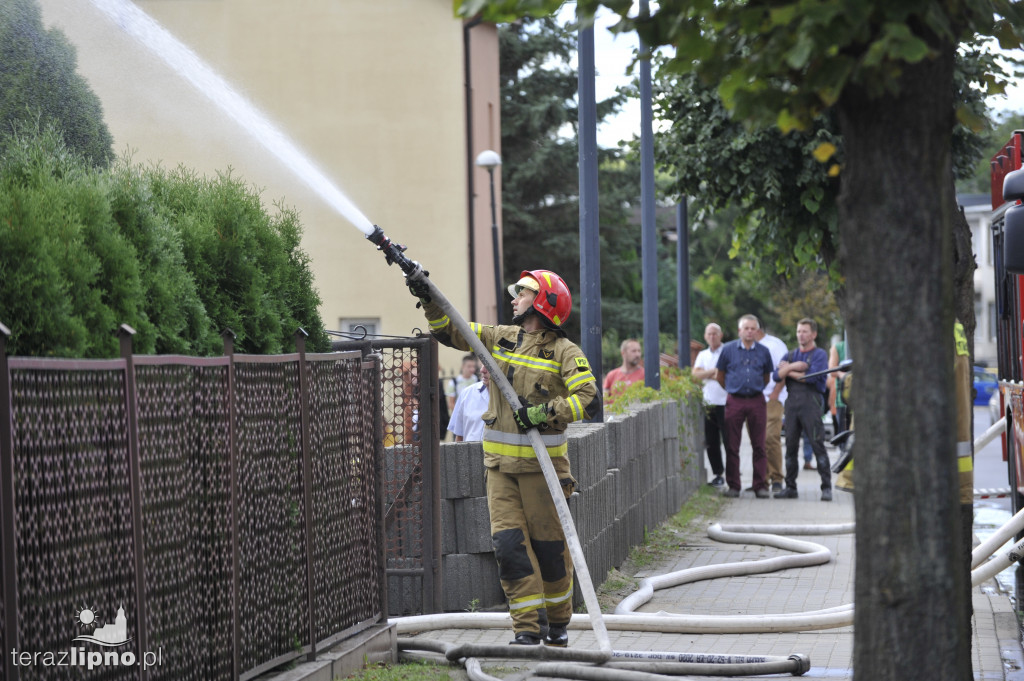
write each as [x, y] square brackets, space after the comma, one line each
[648, 228]
[124, 334]
[683, 288]
[590, 248]
[306, 454]
[8, 514]
[495, 245]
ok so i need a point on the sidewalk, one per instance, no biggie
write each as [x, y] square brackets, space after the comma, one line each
[996, 649]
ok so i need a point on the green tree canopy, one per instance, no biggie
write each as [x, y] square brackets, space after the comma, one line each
[540, 195]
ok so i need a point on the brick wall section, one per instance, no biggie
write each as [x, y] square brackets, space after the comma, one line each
[633, 471]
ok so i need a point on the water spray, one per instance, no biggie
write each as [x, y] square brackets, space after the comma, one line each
[395, 254]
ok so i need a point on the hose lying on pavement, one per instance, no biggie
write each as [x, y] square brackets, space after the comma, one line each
[652, 663]
[643, 665]
[627, 662]
[808, 553]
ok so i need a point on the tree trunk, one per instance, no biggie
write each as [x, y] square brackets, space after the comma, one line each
[896, 217]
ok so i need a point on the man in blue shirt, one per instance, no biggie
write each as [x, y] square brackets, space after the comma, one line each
[805, 406]
[743, 370]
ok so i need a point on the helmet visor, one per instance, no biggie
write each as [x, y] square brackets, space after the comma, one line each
[527, 283]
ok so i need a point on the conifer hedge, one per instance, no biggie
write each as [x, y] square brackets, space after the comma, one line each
[176, 256]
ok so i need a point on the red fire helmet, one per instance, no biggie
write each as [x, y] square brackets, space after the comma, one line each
[553, 301]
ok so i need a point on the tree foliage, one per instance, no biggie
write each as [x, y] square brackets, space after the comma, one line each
[38, 82]
[807, 52]
[784, 186]
[540, 177]
[175, 256]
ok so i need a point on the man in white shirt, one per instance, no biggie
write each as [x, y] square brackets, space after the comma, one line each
[775, 396]
[467, 423]
[705, 369]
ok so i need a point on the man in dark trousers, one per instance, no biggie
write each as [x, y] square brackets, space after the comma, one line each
[805, 405]
[743, 370]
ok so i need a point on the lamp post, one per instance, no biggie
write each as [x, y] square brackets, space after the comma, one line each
[490, 160]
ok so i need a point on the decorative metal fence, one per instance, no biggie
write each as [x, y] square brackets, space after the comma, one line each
[167, 517]
[412, 483]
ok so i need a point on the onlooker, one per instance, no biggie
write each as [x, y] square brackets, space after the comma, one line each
[705, 369]
[836, 405]
[467, 376]
[467, 423]
[743, 370]
[775, 398]
[804, 406]
[632, 369]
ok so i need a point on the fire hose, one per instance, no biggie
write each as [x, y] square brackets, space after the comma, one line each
[394, 254]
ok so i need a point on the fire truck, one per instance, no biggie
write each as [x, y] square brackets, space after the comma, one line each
[1008, 262]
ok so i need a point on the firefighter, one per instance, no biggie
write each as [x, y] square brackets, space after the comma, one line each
[964, 382]
[552, 377]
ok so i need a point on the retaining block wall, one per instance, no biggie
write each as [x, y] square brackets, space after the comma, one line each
[632, 472]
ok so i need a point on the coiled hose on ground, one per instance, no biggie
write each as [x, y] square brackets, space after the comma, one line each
[576, 663]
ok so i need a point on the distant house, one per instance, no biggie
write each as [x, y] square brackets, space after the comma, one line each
[392, 101]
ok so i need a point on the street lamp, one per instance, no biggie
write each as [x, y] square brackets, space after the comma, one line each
[490, 160]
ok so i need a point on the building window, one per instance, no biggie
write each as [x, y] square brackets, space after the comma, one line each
[350, 324]
[979, 320]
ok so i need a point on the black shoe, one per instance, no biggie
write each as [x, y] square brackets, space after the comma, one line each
[525, 638]
[557, 636]
[826, 495]
[776, 487]
[731, 493]
[788, 493]
[761, 493]
[717, 481]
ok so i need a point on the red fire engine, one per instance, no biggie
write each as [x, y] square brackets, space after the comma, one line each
[1008, 261]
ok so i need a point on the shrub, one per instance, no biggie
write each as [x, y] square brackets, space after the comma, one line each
[177, 257]
[676, 384]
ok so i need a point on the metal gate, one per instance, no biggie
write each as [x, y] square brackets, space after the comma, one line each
[412, 488]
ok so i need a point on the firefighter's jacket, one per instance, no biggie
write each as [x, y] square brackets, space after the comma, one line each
[964, 406]
[544, 368]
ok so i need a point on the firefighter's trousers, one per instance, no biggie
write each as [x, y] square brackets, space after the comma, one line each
[533, 559]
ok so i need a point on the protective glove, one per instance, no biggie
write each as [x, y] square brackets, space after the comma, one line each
[532, 416]
[419, 289]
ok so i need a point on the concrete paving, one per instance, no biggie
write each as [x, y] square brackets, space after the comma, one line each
[996, 649]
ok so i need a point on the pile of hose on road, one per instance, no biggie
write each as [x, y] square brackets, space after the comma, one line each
[574, 663]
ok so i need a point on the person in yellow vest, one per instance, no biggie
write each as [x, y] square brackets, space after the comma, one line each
[554, 379]
[964, 380]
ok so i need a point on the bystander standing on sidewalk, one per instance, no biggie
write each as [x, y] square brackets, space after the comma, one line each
[805, 406]
[743, 370]
[704, 370]
[775, 399]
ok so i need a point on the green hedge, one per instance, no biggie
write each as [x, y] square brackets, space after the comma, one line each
[176, 256]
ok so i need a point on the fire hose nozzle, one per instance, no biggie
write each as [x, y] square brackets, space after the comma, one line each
[393, 253]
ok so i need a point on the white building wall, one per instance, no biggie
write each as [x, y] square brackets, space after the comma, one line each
[978, 211]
